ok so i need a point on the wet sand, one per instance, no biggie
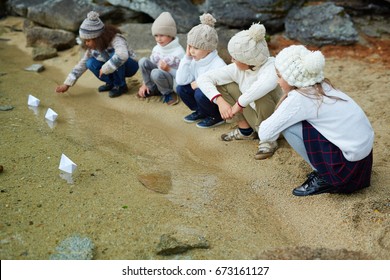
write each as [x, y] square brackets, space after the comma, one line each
[205, 187]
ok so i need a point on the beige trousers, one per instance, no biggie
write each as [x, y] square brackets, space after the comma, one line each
[265, 106]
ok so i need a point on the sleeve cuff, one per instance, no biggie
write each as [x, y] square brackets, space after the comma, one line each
[215, 97]
[238, 103]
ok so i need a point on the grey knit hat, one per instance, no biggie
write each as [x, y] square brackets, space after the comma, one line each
[249, 46]
[204, 36]
[92, 27]
[299, 66]
[164, 24]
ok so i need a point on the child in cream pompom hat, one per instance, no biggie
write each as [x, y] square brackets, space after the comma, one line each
[201, 56]
[246, 90]
[322, 124]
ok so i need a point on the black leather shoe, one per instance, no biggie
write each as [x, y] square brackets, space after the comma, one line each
[105, 87]
[313, 185]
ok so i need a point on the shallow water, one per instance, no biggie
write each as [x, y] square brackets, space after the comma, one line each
[114, 142]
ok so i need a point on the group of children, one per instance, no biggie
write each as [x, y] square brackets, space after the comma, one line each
[266, 96]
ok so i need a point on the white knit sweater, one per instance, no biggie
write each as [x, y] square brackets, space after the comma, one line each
[190, 69]
[171, 54]
[343, 123]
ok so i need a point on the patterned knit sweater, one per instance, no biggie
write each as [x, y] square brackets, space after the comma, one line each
[121, 51]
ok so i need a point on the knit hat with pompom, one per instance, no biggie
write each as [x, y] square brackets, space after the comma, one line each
[204, 36]
[249, 46]
[92, 27]
[300, 67]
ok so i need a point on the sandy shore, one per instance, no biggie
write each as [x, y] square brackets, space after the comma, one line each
[196, 185]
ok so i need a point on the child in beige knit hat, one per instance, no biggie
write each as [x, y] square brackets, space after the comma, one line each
[201, 56]
[159, 70]
[247, 89]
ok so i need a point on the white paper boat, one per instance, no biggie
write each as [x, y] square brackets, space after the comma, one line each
[67, 165]
[51, 115]
[33, 101]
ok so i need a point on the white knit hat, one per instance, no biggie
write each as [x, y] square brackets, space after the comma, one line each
[92, 27]
[249, 46]
[204, 36]
[164, 24]
[299, 66]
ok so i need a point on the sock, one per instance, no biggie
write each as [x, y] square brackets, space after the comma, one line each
[246, 131]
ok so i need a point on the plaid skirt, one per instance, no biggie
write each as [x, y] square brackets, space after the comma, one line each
[346, 176]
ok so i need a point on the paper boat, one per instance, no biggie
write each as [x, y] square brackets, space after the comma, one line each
[51, 115]
[67, 165]
[33, 101]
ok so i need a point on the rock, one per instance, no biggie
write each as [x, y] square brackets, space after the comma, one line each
[157, 182]
[35, 68]
[176, 243]
[6, 107]
[241, 14]
[42, 53]
[319, 25]
[37, 36]
[184, 12]
[74, 248]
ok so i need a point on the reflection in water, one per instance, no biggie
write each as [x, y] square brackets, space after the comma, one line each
[67, 177]
[34, 109]
[51, 124]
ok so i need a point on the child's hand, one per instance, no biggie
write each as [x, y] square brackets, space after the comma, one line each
[224, 109]
[143, 91]
[236, 109]
[62, 88]
[163, 65]
[188, 53]
[194, 85]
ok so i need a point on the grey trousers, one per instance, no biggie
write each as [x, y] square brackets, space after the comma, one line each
[155, 78]
[265, 106]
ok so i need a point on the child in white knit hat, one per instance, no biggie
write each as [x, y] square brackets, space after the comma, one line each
[247, 89]
[107, 56]
[159, 70]
[322, 124]
[201, 56]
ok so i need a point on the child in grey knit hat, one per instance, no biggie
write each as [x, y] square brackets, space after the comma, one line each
[107, 55]
[201, 56]
[159, 70]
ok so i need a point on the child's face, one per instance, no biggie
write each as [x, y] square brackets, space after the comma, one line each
[198, 54]
[240, 65]
[283, 84]
[90, 43]
[163, 40]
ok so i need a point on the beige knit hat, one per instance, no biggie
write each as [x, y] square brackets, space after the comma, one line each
[204, 36]
[92, 27]
[249, 46]
[299, 66]
[164, 25]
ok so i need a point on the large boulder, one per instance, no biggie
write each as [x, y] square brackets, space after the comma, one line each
[184, 12]
[241, 14]
[322, 24]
